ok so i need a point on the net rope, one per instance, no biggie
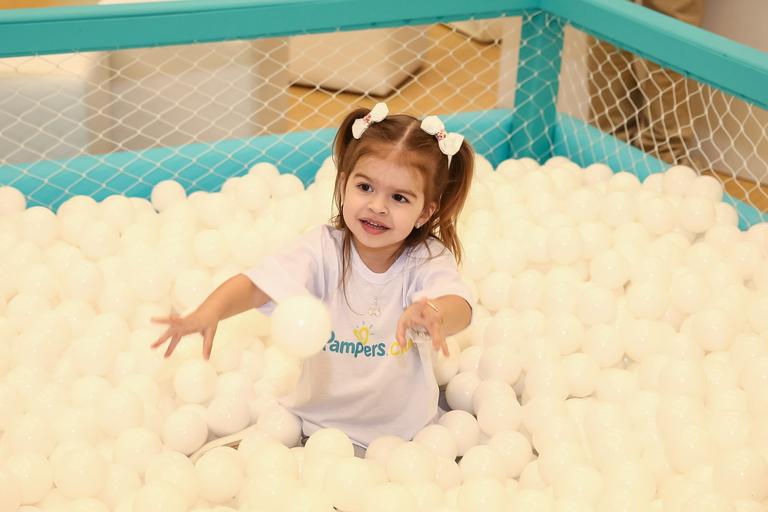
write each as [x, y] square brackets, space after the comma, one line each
[61, 108]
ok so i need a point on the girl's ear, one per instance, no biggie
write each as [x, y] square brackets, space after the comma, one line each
[426, 213]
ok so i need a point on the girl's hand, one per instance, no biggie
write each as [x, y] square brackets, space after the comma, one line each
[423, 315]
[179, 327]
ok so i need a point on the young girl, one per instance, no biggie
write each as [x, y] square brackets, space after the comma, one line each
[387, 265]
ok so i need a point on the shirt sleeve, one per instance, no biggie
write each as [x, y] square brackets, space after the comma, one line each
[437, 277]
[294, 270]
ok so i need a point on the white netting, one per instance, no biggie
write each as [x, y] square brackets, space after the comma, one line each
[667, 116]
[60, 108]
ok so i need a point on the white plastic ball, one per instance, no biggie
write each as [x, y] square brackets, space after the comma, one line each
[28, 433]
[713, 328]
[464, 428]
[498, 414]
[390, 497]
[381, 448]
[697, 214]
[438, 439]
[564, 245]
[121, 482]
[348, 483]
[469, 359]
[12, 201]
[79, 472]
[678, 180]
[514, 449]
[596, 305]
[98, 240]
[328, 442]
[500, 362]
[647, 300]
[581, 372]
[286, 185]
[460, 390]
[596, 173]
[280, 424]
[609, 269]
[40, 226]
[581, 482]
[482, 462]
[195, 381]
[272, 457]
[741, 474]
[583, 205]
[159, 496]
[175, 469]
[657, 214]
[34, 475]
[135, 447]
[228, 414]
[617, 208]
[488, 389]
[508, 256]
[210, 248]
[301, 325]
[166, 193]
[730, 430]
[706, 187]
[220, 473]
[482, 495]
[121, 410]
[494, 290]
[410, 462]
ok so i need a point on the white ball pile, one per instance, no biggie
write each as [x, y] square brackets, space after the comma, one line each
[617, 359]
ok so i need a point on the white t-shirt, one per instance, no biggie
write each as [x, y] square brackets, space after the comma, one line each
[363, 382]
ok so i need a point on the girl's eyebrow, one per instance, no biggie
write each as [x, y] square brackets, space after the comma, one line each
[399, 191]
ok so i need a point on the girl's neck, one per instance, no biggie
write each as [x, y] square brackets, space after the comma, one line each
[378, 260]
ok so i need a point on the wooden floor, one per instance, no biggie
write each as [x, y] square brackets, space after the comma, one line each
[745, 190]
[460, 75]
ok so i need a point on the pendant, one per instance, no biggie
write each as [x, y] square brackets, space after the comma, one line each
[374, 310]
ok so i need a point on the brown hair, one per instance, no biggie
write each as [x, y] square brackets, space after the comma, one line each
[402, 136]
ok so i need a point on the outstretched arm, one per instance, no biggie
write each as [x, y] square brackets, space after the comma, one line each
[233, 296]
[441, 317]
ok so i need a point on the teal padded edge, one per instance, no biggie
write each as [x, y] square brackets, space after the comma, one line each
[110, 27]
[207, 166]
[538, 79]
[715, 60]
[585, 145]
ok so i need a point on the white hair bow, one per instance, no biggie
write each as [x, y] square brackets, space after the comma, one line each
[449, 143]
[377, 113]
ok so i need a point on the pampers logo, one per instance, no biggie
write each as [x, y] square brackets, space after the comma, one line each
[361, 348]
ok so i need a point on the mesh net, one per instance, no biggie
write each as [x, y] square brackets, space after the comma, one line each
[667, 116]
[113, 122]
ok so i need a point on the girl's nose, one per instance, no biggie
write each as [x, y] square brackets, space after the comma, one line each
[377, 205]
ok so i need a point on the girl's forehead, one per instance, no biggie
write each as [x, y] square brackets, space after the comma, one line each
[389, 172]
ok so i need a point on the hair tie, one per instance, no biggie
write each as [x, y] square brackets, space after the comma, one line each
[449, 143]
[377, 113]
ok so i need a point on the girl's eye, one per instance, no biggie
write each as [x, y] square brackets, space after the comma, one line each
[364, 187]
[400, 198]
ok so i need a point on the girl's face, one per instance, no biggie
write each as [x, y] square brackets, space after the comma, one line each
[383, 201]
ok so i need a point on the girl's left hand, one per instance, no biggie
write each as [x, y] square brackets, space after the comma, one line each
[423, 316]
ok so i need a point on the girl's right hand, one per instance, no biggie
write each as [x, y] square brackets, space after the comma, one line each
[178, 327]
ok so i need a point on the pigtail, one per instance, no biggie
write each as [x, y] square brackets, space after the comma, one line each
[344, 138]
[453, 198]
[342, 143]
